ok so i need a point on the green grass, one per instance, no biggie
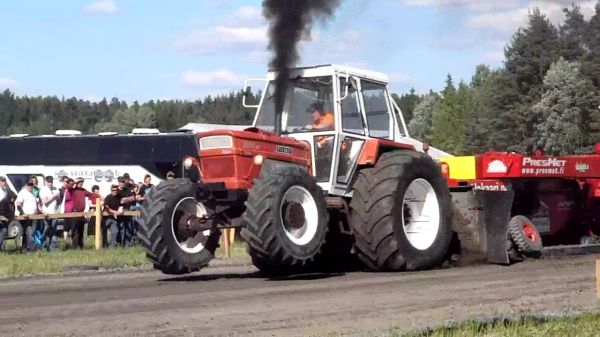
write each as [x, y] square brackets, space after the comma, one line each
[581, 326]
[15, 264]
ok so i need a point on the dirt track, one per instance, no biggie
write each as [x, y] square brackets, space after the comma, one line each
[234, 300]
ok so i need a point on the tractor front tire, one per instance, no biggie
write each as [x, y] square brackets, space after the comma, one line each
[401, 213]
[286, 221]
[156, 232]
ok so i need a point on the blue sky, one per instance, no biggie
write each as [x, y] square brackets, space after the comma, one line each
[141, 50]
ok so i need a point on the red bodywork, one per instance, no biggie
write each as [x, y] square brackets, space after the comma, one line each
[560, 194]
[235, 166]
[237, 169]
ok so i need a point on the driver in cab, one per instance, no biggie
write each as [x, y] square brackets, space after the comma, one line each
[322, 120]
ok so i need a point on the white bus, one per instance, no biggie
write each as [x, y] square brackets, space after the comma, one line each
[98, 159]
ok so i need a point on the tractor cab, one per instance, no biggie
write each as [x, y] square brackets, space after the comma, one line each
[336, 109]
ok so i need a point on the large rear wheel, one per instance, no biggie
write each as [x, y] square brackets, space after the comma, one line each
[169, 245]
[286, 220]
[401, 213]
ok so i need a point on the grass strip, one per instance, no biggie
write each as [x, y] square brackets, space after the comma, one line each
[583, 325]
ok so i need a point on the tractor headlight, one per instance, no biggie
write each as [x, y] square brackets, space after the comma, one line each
[216, 142]
[188, 162]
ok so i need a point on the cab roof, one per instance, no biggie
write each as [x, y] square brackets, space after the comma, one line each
[331, 69]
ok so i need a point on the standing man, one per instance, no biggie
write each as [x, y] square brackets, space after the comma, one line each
[127, 200]
[27, 204]
[79, 195]
[113, 224]
[36, 189]
[67, 204]
[50, 196]
[92, 208]
[62, 209]
[145, 188]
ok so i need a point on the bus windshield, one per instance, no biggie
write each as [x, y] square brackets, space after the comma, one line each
[308, 106]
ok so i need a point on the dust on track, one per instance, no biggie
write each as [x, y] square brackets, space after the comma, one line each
[238, 301]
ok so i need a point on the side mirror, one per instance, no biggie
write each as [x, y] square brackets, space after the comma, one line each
[347, 87]
[247, 91]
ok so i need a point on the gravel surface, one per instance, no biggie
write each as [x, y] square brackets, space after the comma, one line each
[236, 300]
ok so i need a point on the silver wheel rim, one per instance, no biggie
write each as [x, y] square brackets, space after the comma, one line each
[299, 215]
[420, 214]
[190, 245]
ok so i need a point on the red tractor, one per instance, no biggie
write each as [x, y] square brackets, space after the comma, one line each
[340, 173]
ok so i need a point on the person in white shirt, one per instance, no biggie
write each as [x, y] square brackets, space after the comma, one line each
[27, 204]
[50, 197]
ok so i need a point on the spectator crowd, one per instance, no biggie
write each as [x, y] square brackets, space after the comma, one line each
[118, 229]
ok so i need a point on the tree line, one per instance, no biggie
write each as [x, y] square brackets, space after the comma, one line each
[44, 115]
[545, 96]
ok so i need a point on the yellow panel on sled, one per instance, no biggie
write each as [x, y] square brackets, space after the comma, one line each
[461, 168]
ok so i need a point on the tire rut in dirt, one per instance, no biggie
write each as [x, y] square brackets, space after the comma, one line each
[377, 213]
[270, 248]
[155, 230]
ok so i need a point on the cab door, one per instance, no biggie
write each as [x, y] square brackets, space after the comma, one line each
[353, 133]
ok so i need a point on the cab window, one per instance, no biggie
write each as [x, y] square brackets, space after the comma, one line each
[352, 121]
[376, 109]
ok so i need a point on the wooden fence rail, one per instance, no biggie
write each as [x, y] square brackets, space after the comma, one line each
[228, 234]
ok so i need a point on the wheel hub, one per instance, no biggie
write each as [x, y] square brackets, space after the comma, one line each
[190, 225]
[420, 214]
[299, 215]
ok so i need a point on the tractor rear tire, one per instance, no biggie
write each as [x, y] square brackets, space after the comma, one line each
[279, 246]
[156, 231]
[391, 202]
[525, 236]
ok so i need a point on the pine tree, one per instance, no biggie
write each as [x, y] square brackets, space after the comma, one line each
[564, 109]
[531, 52]
[572, 40]
[448, 122]
[419, 126]
[591, 63]
[407, 104]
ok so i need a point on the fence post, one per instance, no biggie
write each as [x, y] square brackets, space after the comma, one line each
[98, 223]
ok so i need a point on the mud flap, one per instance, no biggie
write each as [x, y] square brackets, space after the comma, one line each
[493, 213]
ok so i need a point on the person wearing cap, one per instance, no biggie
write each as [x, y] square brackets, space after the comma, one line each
[322, 120]
[50, 197]
[112, 228]
[170, 175]
[27, 204]
[78, 196]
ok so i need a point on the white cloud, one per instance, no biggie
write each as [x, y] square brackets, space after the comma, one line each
[502, 24]
[7, 82]
[102, 6]
[243, 30]
[474, 5]
[215, 40]
[247, 16]
[399, 78]
[219, 78]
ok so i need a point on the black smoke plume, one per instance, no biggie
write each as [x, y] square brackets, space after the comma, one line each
[289, 21]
